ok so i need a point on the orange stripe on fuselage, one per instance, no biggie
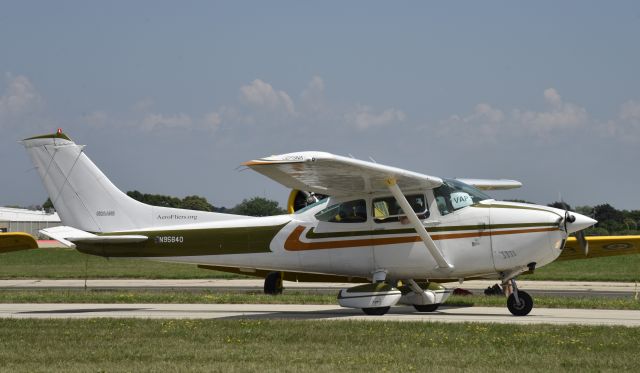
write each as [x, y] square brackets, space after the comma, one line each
[293, 242]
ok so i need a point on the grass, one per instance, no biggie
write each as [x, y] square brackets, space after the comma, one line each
[68, 263]
[59, 263]
[624, 268]
[160, 296]
[289, 297]
[309, 346]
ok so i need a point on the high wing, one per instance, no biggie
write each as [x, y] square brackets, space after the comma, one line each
[600, 246]
[488, 184]
[335, 175]
[16, 241]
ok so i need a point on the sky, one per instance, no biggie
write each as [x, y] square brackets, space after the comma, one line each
[171, 97]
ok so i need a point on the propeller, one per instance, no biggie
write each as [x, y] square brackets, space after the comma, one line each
[568, 218]
[299, 199]
[582, 242]
[580, 237]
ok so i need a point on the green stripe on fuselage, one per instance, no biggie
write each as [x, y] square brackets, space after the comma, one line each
[190, 242]
[311, 234]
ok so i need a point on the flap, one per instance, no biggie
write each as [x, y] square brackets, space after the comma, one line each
[335, 175]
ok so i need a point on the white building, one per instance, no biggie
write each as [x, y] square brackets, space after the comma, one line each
[30, 221]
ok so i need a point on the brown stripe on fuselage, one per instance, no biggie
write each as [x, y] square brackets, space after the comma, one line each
[293, 242]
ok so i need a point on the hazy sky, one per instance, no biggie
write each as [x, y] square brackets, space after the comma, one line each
[171, 97]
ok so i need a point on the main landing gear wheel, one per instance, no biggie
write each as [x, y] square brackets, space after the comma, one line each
[273, 283]
[426, 307]
[521, 308]
[376, 311]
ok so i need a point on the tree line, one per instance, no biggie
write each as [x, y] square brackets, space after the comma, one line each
[256, 206]
[611, 221]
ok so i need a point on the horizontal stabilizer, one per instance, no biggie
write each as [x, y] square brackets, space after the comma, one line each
[489, 184]
[70, 236]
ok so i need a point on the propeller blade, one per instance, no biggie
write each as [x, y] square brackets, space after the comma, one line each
[582, 242]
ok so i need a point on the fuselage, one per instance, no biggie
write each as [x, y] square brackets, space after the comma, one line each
[480, 240]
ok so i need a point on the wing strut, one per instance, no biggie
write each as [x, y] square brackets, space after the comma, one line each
[417, 224]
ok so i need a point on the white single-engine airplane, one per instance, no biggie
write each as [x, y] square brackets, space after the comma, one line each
[400, 232]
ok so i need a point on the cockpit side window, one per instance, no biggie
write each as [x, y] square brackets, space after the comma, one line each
[345, 212]
[454, 195]
[386, 209]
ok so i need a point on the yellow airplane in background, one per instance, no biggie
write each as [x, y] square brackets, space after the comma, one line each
[399, 232]
[16, 241]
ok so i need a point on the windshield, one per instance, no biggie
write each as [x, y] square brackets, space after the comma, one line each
[453, 195]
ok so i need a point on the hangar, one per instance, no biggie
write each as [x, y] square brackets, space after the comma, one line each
[23, 220]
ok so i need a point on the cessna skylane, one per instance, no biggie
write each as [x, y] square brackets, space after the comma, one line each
[397, 233]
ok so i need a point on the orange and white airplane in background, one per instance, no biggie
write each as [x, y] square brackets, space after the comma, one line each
[398, 233]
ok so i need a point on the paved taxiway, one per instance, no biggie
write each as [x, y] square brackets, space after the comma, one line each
[315, 312]
[555, 288]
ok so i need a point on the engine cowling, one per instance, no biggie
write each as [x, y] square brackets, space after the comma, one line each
[299, 199]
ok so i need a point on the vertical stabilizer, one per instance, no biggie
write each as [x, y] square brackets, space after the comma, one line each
[85, 198]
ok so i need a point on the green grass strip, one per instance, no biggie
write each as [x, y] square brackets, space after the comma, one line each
[289, 297]
[106, 345]
[58, 263]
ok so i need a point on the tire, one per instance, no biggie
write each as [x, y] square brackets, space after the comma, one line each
[273, 283]
[522, 309]
[376, 311]
[426, 307]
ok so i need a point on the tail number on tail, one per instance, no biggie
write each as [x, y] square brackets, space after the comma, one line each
[169, 239]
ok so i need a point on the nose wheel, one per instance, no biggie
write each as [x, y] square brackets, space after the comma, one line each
[519, 303]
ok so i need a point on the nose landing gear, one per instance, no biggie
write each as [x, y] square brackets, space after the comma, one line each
[519, 303]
